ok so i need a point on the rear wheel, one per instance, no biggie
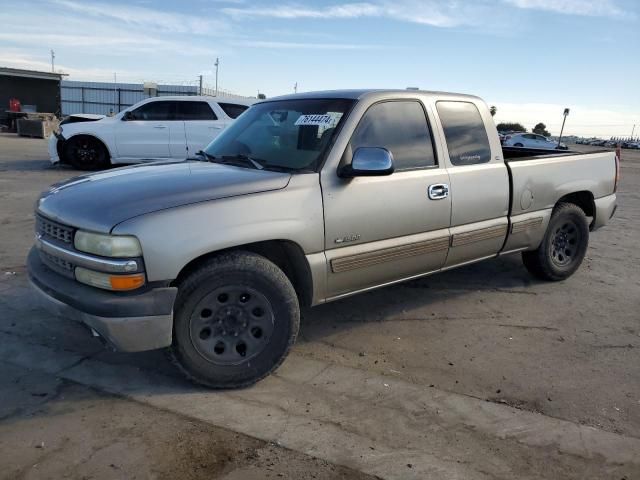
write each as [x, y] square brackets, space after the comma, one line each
[564, 245]
[85, 152]
[518, 145]
[236, 318]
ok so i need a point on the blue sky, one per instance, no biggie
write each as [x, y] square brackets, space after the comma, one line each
[530, 58]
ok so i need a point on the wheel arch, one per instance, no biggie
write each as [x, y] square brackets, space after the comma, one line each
[583, 199]
[285, 254]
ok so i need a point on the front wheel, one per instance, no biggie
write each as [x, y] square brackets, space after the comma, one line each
[518, 145]
[563, 247]
[85, 152]
[236, 317]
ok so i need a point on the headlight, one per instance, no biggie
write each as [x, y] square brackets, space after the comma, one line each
[107, 245]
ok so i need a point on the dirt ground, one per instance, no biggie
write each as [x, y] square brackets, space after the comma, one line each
[505, 353]
[58, 429]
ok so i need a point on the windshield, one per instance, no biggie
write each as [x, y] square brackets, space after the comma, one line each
[288, 135]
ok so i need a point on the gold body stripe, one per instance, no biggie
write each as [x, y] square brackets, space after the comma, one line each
[523, 225]
[368, 259]
[474, 236]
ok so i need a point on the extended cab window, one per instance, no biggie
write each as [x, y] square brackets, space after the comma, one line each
[401, 128]
[232, 109]
[189, 110]
[154, 111]
[465, 132]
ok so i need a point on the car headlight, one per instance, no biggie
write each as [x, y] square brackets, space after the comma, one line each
[107, 245]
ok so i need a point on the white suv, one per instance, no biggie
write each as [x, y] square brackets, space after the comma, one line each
[158, 128]
[531, 140]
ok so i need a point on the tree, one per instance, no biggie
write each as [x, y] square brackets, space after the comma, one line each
[541, 129]
[510, 127]
[492, 110]
[261, 96]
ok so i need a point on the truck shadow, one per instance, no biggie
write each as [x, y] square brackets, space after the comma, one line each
[388, 304]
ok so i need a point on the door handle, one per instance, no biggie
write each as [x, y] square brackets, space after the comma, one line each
[438, 191]
[216, 127]
[159, 126]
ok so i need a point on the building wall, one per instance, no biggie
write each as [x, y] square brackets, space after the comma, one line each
[43, 93]
[105, 98]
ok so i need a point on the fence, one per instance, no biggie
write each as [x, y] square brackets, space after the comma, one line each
[106, 98]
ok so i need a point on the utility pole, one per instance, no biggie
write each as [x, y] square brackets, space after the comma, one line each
[633, 131]
[200, 88]
[217, 64]
[53, 56]
[566, 112]
[295, 87]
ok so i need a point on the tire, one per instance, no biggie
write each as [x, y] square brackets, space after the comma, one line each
[85, 152]
[518, 145]
[563, 247]
[236, 318]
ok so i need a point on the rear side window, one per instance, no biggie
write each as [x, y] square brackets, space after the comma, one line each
[465, 132]
[154, 111]
[188, 110]
[401, 128]
[232, 109]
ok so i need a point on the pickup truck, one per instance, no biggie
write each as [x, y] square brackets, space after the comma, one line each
[305, 199]
[157, 128]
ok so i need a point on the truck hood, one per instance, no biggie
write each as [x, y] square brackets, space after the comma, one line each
[100, 201]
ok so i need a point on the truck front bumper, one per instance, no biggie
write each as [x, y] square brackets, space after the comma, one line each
[130, 322]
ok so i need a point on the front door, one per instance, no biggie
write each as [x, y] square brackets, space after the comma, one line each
[146, 132]
[383, 229]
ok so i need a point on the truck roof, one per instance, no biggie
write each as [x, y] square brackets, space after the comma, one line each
[357, 94]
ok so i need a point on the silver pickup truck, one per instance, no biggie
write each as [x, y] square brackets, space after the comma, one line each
[305, 199]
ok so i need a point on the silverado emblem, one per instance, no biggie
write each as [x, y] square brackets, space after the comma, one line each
[348, 238]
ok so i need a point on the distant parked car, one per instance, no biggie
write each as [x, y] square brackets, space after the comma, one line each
[532, 140]
[597, 143]
[158, 128]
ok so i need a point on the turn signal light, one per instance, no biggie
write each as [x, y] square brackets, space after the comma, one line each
[126, 282]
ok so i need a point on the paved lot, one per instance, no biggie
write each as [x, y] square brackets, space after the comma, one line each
[476, 373]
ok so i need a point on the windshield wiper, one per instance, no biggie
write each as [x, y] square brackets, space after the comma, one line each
[237, 160]
[207, 156]
[244, 159]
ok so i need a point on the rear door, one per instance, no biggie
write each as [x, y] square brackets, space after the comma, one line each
[201, 124]
[479, 182]
[382, 229]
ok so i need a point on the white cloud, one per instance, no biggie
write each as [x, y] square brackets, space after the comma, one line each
[430, 12]
[313, 46]
[573, 7]
[147, 18]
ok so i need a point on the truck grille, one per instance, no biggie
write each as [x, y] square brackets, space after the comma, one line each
[56, 262]
[56, 231]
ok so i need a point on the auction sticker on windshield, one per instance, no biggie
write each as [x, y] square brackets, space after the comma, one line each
[321, 120]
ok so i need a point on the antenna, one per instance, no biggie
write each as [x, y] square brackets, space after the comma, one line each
[53, 56]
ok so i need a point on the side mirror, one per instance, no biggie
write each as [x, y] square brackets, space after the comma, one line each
[128, 115]
[368, 162]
